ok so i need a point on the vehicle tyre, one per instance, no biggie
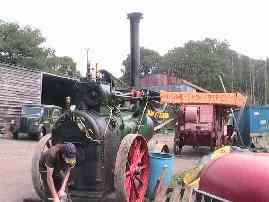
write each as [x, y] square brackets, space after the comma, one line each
[213, 143]
[15, 135]
[178, 144]
[158, 147]
[195, 147]
[32, 135]
[40, 134]
[42, 146]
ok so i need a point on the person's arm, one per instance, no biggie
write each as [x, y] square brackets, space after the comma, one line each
[61, 192]
[51, 184]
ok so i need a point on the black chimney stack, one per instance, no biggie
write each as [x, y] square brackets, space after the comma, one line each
[135, 48]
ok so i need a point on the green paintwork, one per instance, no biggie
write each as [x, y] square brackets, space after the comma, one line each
[130, 125]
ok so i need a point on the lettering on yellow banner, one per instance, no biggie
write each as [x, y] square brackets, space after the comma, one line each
[229, 99]
[158, 115]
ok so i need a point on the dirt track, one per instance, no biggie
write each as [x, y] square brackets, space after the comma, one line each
[15, 175]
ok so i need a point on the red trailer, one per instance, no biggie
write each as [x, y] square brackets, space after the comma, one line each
[202, 117]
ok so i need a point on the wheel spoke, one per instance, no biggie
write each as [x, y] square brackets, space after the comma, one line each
[142, 153]
[143, 167]
[139, 180]
[136, 151]
[131, 194]
[135, 189]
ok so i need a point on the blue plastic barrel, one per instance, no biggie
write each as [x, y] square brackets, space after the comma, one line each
[158, 163]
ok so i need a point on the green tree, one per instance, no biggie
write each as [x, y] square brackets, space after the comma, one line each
[201, 62]
[198, 61]
[149, 63]
[64, 66]
[23, 46]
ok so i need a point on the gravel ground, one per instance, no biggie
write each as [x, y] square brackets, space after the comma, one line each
[16, 155]
[15, 181]
[189, 156]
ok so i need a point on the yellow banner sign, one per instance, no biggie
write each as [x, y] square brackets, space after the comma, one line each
[158, 115]
[226, 99]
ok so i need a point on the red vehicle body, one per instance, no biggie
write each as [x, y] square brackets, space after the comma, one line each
[200, 125]
[237, 177]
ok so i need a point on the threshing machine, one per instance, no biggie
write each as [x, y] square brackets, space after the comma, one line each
[202, 117]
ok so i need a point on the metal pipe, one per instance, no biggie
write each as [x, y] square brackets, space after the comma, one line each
[135, 48]
[88, 73]
[265, 82]
[235, 121]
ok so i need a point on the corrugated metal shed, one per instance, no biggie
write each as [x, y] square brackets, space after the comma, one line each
[17, 86]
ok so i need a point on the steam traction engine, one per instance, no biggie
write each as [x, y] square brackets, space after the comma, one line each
[112, 156]
[110, 129]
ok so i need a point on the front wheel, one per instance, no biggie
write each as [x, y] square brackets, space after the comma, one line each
[40, 134]
[42, 146]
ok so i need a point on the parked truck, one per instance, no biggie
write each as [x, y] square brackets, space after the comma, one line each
[35, 120]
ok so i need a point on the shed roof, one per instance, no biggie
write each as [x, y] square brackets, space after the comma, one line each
[161, 80]
[182, 81]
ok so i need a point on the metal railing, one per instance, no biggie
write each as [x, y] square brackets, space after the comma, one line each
[201, 196]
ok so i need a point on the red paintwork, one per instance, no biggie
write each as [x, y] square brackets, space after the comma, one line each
[137, 171]
[197, 124]
[202, 115]
[238, 177]
[158, 80]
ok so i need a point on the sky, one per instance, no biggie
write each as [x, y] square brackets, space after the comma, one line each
[72, 27]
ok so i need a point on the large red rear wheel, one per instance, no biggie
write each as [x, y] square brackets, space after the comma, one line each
[132, 169]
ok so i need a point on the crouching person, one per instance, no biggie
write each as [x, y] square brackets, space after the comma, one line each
[55, 166]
